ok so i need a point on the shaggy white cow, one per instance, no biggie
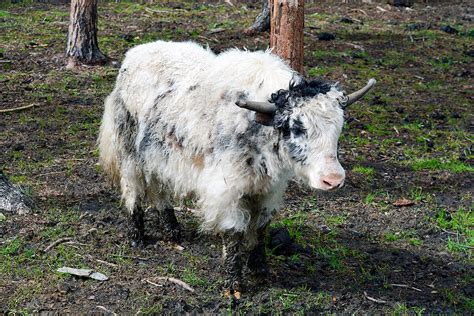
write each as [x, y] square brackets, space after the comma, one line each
[228, 129]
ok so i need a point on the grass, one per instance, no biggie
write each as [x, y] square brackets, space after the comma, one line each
[367, 171]
[297, 300]
[461, 225]
[439, 164]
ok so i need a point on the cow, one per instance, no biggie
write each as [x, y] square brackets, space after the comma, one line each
[228, 130]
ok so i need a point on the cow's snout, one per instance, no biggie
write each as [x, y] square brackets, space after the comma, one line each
[332, 181]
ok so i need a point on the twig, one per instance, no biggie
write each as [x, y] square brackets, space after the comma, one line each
[57, 242]
[406, 286]
[110, 264]
[105, 309]
[48, 173]
[208, 39]
[156, 11]
[175, 281]
[381, 9]
[375, 300]
[360, 10]
[396, 130]
[17, 109]
[355, 46]
[153, 283]
[132, 257]
[217, 30]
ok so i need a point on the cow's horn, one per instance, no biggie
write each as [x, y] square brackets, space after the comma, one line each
[260, 107]
[353, 97]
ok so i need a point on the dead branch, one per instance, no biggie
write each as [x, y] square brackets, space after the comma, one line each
[132, 257]
[406, 286]
[57, 242]
[17, 109]
[110, 264]
[361, 11]
[153, 283]
[175, 281]
[105, 309]
[375, 300]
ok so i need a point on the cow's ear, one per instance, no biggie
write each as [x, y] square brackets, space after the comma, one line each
[264, 118]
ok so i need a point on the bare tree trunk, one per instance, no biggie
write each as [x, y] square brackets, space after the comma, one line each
[286, 31]
[82, 45]
[262, 21]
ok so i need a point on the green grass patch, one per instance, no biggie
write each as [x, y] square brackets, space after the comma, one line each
[294, 224]
[367, 171]
[438, 164]
[461, 225]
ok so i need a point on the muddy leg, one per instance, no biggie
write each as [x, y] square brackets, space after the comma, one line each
[137, 227]
[169, 224]
[233, 264]
[257, 261]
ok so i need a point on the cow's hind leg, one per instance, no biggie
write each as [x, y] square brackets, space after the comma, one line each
[132, 195]
[257, 261]
[137, 227]
[170, 228]
[233, 249]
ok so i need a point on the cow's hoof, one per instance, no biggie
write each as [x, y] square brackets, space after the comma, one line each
[172, 233]
[137, 243]
[233, 295]
[137, 238]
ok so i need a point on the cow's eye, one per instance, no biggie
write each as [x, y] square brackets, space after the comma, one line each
[297, 128]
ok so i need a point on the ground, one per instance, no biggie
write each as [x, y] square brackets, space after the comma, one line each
[359, 251]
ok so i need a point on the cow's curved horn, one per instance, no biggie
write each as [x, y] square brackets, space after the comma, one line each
[353, 97]
[260, 107]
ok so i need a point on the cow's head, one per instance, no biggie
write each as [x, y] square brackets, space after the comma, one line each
[309, 119]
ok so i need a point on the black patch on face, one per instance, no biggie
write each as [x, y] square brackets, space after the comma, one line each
[193, 87]
[264, 166]
[296, 93]
[127, 125]
[297, 129]
[297, 152]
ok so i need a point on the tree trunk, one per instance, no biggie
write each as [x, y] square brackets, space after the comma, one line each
[262, 21]
[401, 3]
[82, 45]
[286, 31]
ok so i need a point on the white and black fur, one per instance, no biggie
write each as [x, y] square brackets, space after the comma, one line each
[171, 130]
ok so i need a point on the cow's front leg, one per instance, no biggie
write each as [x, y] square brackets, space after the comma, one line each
[257, 260]
[233, 249]
[137, 227]
[170, 227]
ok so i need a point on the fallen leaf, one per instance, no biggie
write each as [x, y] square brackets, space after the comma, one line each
[2, 217]
[87, 273]
[403, 202]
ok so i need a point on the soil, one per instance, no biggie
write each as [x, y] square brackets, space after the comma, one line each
[354, 250]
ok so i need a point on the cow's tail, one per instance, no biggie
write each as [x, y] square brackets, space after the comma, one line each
[107, 142]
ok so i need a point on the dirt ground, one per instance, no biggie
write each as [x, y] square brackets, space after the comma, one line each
[397, 239]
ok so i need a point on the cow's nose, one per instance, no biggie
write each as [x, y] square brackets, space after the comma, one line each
[332, 181]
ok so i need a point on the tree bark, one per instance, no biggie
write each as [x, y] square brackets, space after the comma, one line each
[286, 31]
[82, 45]
[262, 21]
[401, 3]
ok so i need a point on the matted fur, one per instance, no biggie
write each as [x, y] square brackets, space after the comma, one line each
[171, 129]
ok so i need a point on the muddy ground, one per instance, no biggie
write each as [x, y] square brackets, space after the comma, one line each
[358, 251]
